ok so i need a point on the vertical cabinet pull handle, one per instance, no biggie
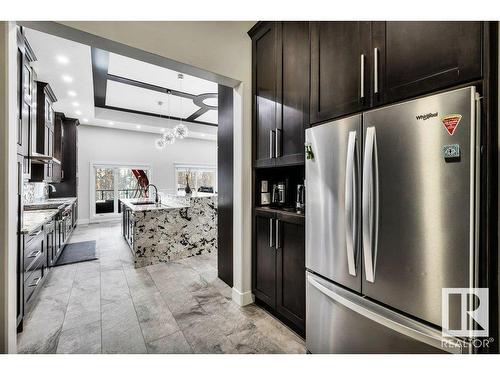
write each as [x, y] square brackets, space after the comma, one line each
[277, 146]
[271, 237]
[272, 135]
[351, 206]
[362, 77]
[375, 70]
[370, 204]
[278, 242]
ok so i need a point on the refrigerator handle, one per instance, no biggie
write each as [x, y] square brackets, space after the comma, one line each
[351, 204]
[271, 237]
[370, 204]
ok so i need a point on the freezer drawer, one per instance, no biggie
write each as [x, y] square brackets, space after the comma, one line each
[341, 322]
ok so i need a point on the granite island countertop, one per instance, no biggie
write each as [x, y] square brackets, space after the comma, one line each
[141, 204]
[34, 219]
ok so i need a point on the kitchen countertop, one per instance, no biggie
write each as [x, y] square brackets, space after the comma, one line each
[41, 212]
[149, 207]
[51, 203]
[34, 219]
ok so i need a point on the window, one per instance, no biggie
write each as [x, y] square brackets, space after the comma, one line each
[201, 178]
[112, 183]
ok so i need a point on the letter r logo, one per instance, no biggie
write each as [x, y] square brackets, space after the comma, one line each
[471, 312]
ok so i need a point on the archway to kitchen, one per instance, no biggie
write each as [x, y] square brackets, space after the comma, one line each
[225, 137]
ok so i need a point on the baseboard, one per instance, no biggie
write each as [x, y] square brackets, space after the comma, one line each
[82, 221]
[242, 299]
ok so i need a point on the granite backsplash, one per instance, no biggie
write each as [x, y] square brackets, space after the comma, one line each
[35, 191]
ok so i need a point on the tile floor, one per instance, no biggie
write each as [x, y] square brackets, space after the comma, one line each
[107, 306]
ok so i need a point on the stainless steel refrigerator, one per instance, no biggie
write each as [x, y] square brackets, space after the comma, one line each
[390, 220]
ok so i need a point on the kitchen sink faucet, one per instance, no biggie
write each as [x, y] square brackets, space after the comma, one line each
[157, 199]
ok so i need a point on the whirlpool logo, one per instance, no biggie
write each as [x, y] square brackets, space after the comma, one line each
[426, 116]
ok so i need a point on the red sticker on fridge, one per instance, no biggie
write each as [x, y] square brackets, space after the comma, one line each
[450, 122]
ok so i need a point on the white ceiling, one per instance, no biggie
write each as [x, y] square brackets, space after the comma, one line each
[51, 68]
[156, 75]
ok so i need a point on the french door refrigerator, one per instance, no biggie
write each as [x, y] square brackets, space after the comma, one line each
[390, 220]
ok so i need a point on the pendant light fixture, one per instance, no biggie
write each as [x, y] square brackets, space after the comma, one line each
[181, 130]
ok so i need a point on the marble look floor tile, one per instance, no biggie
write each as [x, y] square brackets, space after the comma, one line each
[114, 286]
[83, 339]
[180, 301]
[155, 318]
[172, 344]
[205, 338]
[43, 325]
[83, 308]
[121, 332]
[91, 284]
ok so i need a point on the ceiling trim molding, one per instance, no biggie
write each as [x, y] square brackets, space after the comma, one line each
[101, 75]
[100, 64]
[154, 115]
[67, 32]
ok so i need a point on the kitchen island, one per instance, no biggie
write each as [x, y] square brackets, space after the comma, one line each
[180, 227]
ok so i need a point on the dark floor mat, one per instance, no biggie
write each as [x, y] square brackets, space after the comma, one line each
[77, 252]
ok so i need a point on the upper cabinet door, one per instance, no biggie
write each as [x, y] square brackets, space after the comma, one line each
[414, 58]
[293, 91]
[264, 62]
[339, 69]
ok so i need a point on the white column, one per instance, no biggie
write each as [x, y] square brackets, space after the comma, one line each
[242, 199]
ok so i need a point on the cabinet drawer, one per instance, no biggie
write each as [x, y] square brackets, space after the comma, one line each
[33, 249]
[32, 281]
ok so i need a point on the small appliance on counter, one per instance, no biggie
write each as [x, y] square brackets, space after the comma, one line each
[300, 201]
[265, 195]
[279, 194]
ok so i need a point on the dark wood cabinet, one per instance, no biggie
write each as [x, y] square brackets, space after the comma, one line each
[339, 69]
[26, 94]
[281, 67]
[66, 151]
[291, 270]
[293, 92]
[43, 158]
[264, 60]
[415, 58]
[279, 265]
[264, 259]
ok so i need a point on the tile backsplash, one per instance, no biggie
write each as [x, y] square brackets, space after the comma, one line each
[35, 191]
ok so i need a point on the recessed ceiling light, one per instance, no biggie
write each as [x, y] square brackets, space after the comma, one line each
[71, 93]
[85, 120]
[78, 113]
[162, 130]
[138, 126]
[67, 78]
[111, 123]
[76, 104]
[61, 59]
[202, 134]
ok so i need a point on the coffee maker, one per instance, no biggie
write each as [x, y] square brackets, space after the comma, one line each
[279, 194]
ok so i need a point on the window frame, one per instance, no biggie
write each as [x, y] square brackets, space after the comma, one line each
[196, 167]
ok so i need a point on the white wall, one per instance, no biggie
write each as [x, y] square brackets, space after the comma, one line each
[98, 144]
